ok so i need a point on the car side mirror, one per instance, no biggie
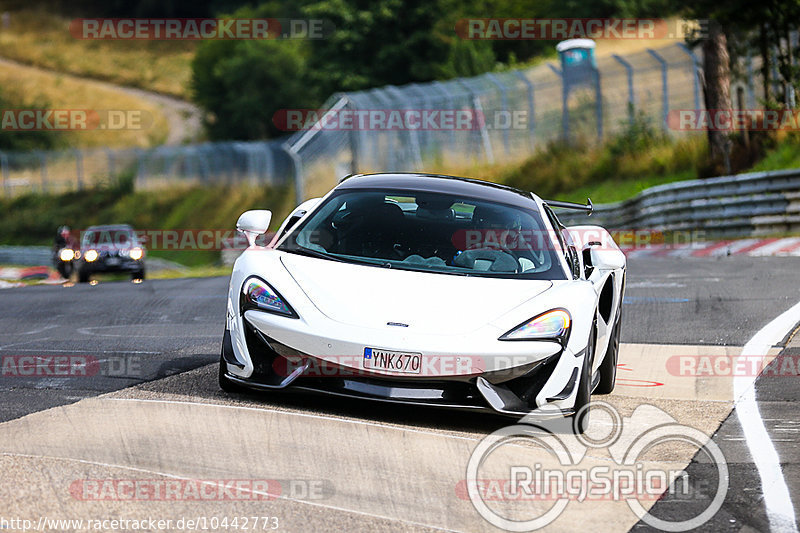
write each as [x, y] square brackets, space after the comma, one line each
[254, 223]
[607, 259]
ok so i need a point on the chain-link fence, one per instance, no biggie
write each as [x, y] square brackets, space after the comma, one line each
[263, 162]
[509, 114]
[516, 111]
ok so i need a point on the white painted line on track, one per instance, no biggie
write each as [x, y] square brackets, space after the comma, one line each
[184, 478]
[23, 342]
[31, 332]
[777, 498]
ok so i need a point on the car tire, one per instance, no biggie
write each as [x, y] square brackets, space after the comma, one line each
[83, 276]
[65, 269]
[580, 421]
[608, 368]
[138, 275]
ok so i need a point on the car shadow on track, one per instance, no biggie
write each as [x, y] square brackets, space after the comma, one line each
[200, 385]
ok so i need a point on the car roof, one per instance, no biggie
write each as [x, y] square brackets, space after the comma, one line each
[108, 227]
[459, 186]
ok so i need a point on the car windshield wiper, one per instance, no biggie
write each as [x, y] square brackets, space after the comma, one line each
[312, 253]
[365, 260]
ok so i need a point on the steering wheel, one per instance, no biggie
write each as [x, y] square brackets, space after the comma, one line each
[493, 255]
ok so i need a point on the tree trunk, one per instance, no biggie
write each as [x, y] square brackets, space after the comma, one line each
[763, 45]
[716, 67]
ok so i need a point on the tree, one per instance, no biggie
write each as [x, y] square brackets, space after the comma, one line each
[242, 84]
[716, 88]
[377, 42]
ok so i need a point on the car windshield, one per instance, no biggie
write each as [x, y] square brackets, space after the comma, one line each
[109, 237]
[431, 232]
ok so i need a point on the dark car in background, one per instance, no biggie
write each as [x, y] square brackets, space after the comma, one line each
[111, 248]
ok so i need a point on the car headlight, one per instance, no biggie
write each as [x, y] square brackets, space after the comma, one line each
[136, 253]
[67, 254]
[554, 325]
[91, 255]
[258, 294]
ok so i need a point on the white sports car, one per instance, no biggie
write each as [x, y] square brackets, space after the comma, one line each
[427, 290]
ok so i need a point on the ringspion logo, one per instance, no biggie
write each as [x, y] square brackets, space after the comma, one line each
[562, 476]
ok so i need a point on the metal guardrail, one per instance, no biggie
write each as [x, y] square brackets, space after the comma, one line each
[26, 255]
[757, 203]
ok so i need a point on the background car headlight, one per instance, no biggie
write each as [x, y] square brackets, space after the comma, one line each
[136, 253]
[553, 325]
[67, 254]
[91, 255]
[258, 294]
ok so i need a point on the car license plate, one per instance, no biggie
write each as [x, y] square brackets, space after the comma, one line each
[408, 363]
[112, 261]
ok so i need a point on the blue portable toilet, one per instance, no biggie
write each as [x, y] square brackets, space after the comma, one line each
[577, 59]
[579, 69]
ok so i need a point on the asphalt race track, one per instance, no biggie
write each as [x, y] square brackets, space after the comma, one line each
[148, 409]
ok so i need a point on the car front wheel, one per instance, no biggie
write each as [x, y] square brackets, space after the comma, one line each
[581, 418]
[608, 368]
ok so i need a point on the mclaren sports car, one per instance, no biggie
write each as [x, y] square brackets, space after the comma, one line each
[427, 290]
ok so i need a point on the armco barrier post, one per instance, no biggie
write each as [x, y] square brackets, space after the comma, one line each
[504, 99]
[664, 89]
[353, 139]
[413, 138]
[79, 168]
[112, 170]
[598, 103]
[4, 170]
[478, 110]
[631, 94]
[564, 105]
[531, 108]
[448, 104]
[43, 164]
[299, 194]
[695, 73]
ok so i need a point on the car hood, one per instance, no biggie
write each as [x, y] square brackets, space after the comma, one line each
[432, 303]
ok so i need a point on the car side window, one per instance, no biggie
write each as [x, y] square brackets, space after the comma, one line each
[565, 239]
[292, 221]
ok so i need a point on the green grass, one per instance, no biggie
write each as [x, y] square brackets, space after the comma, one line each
[43, 39]
[618, 190]
[785, 155]
[606, 173]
